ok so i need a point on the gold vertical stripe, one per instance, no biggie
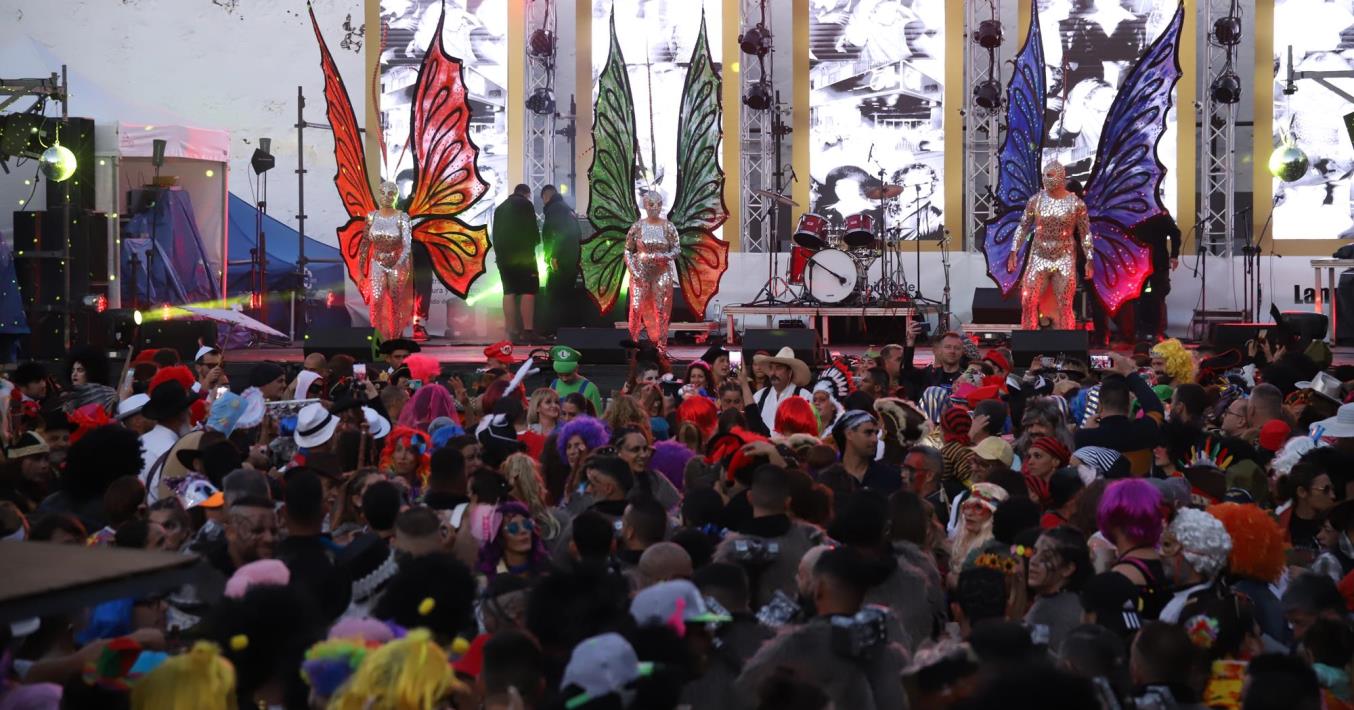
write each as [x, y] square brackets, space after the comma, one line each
[1022, 21]
[732, 123]
[1262, 189]
[953, 96]
[799, 105]
[516, 105]
[372, 120]
[582, 100]
[1187, 140]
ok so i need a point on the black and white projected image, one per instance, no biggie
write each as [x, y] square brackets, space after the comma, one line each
[1320, 204]
[876, 79]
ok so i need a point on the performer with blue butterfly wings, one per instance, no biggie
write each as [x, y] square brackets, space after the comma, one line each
[1032, 235]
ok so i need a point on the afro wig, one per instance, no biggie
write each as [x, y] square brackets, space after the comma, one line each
[1179, 363]
[1257, 541]
[669, 458]
[592, 431]
[445, 608]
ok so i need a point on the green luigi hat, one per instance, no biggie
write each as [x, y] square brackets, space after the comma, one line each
[565, 359]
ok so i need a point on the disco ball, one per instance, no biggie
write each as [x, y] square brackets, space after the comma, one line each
[57, 163]
[1288, 163]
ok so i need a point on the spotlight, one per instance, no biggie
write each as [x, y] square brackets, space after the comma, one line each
[1288, 163]
[1226, 88]
[137, 318]
[157, 152]
[759, 96]
[988, 35]
[757, 41]
[987, 94]
[96, 301]
[1227, 30]
[263, 160]
[542, 43]
[541, 102]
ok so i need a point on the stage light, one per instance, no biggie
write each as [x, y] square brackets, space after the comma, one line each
[757, 41]
[1227, 30]
[987, 94]
[541, 102]
[137, 318]
[57, 163]
[263, 160]
[1226, 88]
[97, 301]
[157, 152]
[1288, 163]
[542, 43]
[759, 96]
[988, 35]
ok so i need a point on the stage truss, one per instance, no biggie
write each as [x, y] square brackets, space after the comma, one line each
[982, 139]
[540, 128]
[1217, 181]
[757, 161]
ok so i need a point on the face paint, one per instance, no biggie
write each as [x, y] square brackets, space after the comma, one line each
[1055, 176]
[389, 193]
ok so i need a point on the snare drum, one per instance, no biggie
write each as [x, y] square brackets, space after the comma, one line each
[799, 259]
[860, 231]
[831, 276]
[812, 231]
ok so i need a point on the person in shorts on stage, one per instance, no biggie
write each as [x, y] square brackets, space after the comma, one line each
[515, 235]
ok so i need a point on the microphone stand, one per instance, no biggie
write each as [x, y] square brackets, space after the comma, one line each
[768, 295]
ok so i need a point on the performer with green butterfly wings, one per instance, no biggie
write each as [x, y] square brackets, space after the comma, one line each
[652, 249]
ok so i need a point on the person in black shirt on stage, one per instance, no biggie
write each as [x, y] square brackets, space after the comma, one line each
[1161, 234]
[515, 238]
[560, 238]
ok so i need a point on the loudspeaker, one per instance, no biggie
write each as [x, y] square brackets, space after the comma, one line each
[1344, 302]
[355, 342]
[803, 340]
[990, 307]
[1307, 325]
[1234, 335]
[597, 345]
[1026, 344]
[185, 336]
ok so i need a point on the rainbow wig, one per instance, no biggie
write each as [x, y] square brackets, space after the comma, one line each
[409, 437]
[796, 416]
[1179, 363]
[591, 430]
[201, 678]
[1257, 541]
[1131, 508]
[702, 413]
[411, 673]
[329, 664]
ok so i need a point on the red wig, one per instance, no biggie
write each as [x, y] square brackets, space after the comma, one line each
[419, 441]
[1257, 541]
[795, 416]
[728, 450]
[701, 412]
[179, 373]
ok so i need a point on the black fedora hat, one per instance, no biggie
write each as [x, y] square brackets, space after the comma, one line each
[168, 399]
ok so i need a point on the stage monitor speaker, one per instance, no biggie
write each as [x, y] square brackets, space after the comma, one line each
[1026, 344]
[803, 341]
[990, 307]
[184, 336]
[355, 342]
[1344, 303]
[597, 346]
[1307, 325]
[1224, 336]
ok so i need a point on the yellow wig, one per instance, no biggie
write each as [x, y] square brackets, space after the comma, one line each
[412, 673]
[1179, 362]
[201, 679]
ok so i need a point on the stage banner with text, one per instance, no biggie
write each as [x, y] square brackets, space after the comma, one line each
[876, 82]
[657, 37]
[1317, 205]
[1089, 48]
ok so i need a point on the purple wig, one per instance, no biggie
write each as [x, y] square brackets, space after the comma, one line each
[1132, 508]
[491, 552]
[669, 458]
[594, 433]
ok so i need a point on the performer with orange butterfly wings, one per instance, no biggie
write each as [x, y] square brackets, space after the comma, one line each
[446, 183]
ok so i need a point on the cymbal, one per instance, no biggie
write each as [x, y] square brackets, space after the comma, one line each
[776, 197]
[883, 192]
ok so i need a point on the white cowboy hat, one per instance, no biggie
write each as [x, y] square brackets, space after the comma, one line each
[1340, 426]
[1325, 385]
[786, 356]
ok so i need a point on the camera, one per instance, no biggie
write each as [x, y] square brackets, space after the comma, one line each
[861, 634]
[781, 611]
[755, 551]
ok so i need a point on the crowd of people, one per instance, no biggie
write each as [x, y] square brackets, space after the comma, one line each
[1170, 529]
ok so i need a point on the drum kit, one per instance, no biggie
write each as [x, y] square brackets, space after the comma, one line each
[855, 263]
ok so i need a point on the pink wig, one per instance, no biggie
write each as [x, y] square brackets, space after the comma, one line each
[795, 416]
[423, 367]
[258, 572]
[427, 404]
[1131, 508]
[702, 413]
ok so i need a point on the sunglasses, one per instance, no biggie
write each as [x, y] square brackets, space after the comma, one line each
[606, 451]
[516, 528]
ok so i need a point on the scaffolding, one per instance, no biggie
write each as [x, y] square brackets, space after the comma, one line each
[982, 142]
[757, 161]
[1217, 181]
[541, 17]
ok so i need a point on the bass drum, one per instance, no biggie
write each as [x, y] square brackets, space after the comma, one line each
[831, 276]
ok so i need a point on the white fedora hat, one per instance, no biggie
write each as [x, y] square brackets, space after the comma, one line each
[1340, 426]
[314, 425]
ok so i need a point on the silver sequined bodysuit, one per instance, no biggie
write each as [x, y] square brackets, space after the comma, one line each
[1052, 260]
[650, 254]
[387, 250]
